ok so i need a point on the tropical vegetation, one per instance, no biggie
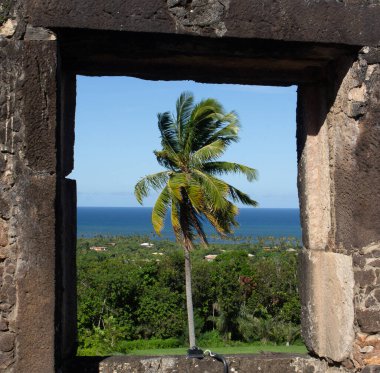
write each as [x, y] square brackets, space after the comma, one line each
[132, 297]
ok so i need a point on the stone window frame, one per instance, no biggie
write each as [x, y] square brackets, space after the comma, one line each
[318, 89]
[337, 114]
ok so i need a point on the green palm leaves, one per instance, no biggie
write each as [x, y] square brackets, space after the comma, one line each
[192, 140]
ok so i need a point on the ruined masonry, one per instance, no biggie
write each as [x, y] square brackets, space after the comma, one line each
[330, 49]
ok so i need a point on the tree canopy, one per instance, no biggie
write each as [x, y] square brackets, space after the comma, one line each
[192, 142]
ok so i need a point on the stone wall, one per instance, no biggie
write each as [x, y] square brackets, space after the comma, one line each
[27, 204]
[273, 363]
[354, 123]
[339, 187]
[338, 121]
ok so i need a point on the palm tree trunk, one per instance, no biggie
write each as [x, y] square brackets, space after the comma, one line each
[189, 298]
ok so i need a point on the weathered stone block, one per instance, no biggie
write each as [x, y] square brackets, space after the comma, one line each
[7, 341]
[371, 369]
[359, 260]
[374, 263]
[313, 172]
[40, 142]
[3, 233]
[273, 363]
[6, 361]
[354, 179]
[327, 289]
[364, 278]
[368, 320]
[371, 302]
[3, 325]
[372, 56]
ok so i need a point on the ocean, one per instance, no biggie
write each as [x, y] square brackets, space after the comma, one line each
[126, 221]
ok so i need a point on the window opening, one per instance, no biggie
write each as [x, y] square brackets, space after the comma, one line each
[130, 281]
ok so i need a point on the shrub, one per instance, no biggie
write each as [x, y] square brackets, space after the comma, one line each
[211, 339]
[148, 344]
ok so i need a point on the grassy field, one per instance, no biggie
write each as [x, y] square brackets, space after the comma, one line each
[251, 349]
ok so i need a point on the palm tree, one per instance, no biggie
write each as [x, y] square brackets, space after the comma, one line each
[191, 142]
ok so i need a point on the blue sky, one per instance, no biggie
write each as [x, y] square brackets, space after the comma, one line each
[116, 133]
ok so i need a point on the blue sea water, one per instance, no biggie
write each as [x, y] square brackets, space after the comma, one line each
[125, 221]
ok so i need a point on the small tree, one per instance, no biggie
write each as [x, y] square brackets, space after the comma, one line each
[191, 142]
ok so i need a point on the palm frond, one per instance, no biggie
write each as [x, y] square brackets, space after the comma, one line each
[202, 124]
[222, 220]
[238, 196]
[160, 209]
[208, 152]
[168, 130]
[176, 183]
[219, 168]
[175, 219]
[154, 181]
[218, 126]
[195, 193]
[229, 133]
[184, 108]
[215, 190]
[168, 159]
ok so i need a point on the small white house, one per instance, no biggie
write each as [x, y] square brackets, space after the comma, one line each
[147, 244]
[98, 248]
[210, 257]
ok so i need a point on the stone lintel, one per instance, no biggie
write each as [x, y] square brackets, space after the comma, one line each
[339, 22]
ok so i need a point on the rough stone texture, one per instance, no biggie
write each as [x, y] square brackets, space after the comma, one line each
[291, 20]
[367, 290]
[367, 306]
[27, 182]
[354, 134]
[339, 183]
[313, 170]
[354, 137]
[273, 363]
[200, 15]
[339, 179]
[327, 306]
[371, 369]
[8, 28]
[366, 350]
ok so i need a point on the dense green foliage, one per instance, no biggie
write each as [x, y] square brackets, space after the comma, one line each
[133, 297]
